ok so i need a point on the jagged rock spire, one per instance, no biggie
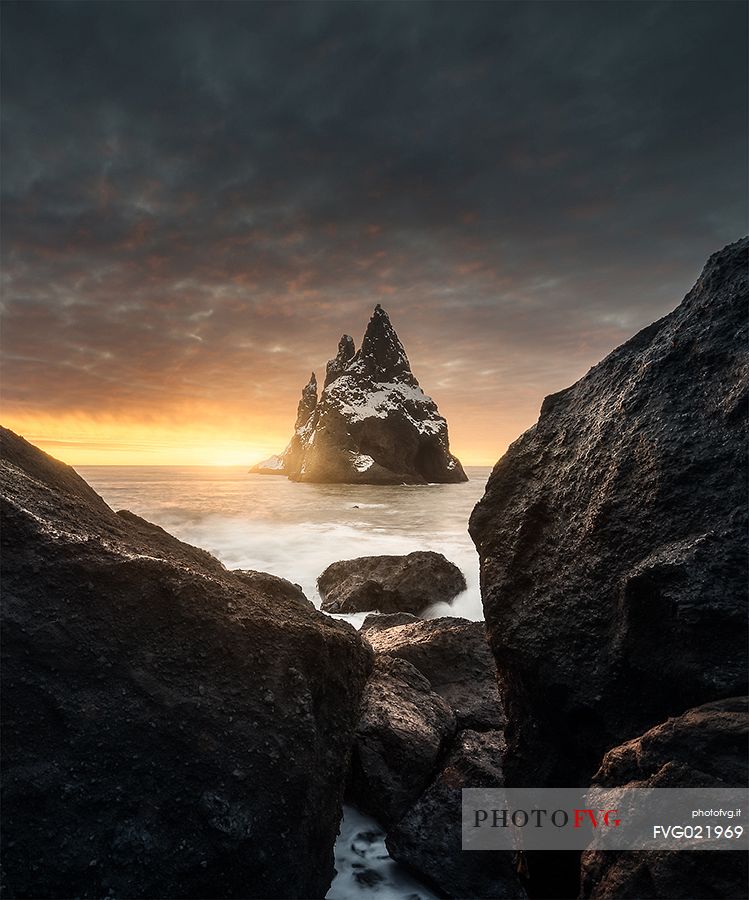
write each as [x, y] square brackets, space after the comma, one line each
[382, 354]
[340, 361]
[372, 423]
[307, 402]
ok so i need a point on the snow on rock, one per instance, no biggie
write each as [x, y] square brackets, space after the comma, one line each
[372, 424]
[362, 463]
[274, 465]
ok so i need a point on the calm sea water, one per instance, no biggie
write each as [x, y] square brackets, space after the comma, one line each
[268, 523]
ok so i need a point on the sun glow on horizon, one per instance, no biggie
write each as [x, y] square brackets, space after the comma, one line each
[80, 440]
[83, 441]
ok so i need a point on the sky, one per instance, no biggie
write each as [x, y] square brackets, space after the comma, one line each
[199, 199]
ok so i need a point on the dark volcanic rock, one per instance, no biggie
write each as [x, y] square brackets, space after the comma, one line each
[403, 727]
[273, 585]
[705, 747]
[383, 621]
[428, 838]
[292, 456]
[454, 655]
[388, 584]
[337, 365]
[170, 729]
[612, 539]
[373, 423]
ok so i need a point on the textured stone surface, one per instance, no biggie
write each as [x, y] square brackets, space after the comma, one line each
[612, 539]
[171, 729]
[373, 424]
[390, 584]
[454, 655]
[382, 621]
[705, 747]
[428, 838]
[402, 730]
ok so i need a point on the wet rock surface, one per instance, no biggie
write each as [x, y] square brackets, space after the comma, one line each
[171, 729]
[612, 539]
[390, 584]
[704, 747]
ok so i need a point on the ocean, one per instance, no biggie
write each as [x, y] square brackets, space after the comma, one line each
[269, 523]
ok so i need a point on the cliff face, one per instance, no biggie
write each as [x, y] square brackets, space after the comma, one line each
[373, 424]
[612, 539]
[170, 728]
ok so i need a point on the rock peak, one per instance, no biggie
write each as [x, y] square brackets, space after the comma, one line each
[372, 423]
[382, 353]
[307, 402]
[337, 365]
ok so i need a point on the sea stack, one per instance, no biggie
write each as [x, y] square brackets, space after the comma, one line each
[372, 424]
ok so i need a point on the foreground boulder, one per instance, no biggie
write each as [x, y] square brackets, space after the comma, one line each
[430, 679]
[170, 729]
[428, 839]
[372, 424]
[382, 621]
[403, 728]
[705, 747]
[454, 655]
[390, 584]
[612, 539]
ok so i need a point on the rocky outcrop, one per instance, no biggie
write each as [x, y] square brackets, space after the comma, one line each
[431, 679]
[272, 585]
[171, 729]
[428, 839]
[373, 424]
[292, 456]
[704, 747]
[612, 539]
[383, 621]
[454, 655]
[338, 365]
[402, 730]
[390, 584]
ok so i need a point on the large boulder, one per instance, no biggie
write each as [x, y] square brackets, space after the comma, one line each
[454, 655]
[428, 839]
[704, 747]
[612, 539]
[403, 728]
[390, 584]
[372, 424]
[170, 729]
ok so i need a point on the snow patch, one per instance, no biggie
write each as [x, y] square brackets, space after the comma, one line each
[362, 462]
[356, 404]
[274, 462]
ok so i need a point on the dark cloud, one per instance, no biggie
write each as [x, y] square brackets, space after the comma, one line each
[198, 198]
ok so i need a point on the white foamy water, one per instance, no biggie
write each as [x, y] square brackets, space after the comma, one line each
[364, 868]
[268, 523]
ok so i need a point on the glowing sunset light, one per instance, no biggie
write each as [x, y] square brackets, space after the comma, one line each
[190, 237]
